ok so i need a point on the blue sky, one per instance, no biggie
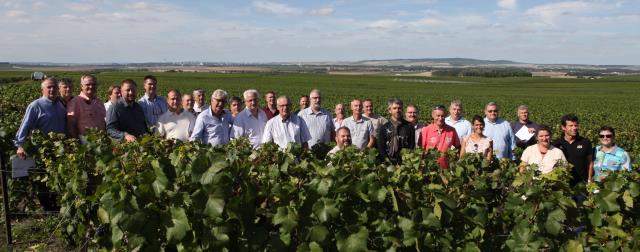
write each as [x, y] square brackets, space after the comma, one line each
[537, 31]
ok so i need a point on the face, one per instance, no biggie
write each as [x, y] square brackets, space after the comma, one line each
[395, 110]
[356, 107]
[173, 100]
[315, 100]
[438, 117]
[65, 90]
[304, 102]
[187, 102]
[49, 89]
[523, 115]
[150, 86]
[455, 111]
[235, 107]
[128, 92]
[544, 138]
[339, 109]
[478, 126]
[89, 87]
[217, 105]
[343, 137]
[606, 138]
[411, 115]
[115, 94]
[251, 101]
[269, 98]
[571, 128]
[368, 107]
[284, 107]
[198, 98]
[491, 112]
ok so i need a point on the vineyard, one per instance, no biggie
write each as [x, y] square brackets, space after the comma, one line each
[156, 194]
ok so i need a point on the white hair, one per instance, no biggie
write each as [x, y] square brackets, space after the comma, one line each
[250, 91]
[219, 94]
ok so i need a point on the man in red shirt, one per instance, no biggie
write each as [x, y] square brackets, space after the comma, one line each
[440, 136]
[270, 108]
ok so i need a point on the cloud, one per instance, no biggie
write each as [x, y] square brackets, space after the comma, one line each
[429, 22]
[16, 14]
[328, 11]
[508, 4]
[549, 13]
[144, 6]
[81, 7]
[275, 8]
[383, 24]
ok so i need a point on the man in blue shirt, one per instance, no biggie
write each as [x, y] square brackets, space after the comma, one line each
[499, 131]
[46, 114]
[152, 104]
[214, 125]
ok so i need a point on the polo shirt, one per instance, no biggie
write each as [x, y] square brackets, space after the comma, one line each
[88, 113]
[503, 138]
[212, 130]
[462, 126]
[172, 125]
[517, 125]
[577, 153]
[249, 126]
[320, 125]
[361, 130]
[376, 121]
[124, 117]
[443, 140]
[153, 108]
[614, 160]
[270, 114]
[546, 163]
[42, 114]
[284, 131]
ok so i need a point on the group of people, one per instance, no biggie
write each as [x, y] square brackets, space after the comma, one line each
[187, 117]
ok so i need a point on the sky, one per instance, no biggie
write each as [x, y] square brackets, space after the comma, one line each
[536, 31]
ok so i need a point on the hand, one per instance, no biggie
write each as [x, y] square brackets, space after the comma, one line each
[129, 138]
[20, 153]
[531, 130]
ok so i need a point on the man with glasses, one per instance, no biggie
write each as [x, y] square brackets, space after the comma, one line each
[577, 149]
[499, 130]
[152, 104]
[285, 127]
[440, 136]
[318, 120]
[213, 126]
[395, 135]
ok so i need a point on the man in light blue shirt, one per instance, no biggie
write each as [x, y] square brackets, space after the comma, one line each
[455, 120]
[499, 131]
[214, 125]
[152, 104]
[46, 114]
[318, 120]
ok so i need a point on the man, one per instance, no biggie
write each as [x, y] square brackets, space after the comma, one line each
[176, 123]
[411, 116]
[339, 112]
[455, 120]
[270, 108]
[394, 135]
[318, 120]
[85, 110]
[152, 104]
[362, 128]
[343, 139]
[187, 104]
[304, 103]
[45, 114]
[576, 149]
[125, 119]
[213, 126]
[440, 136]
[523, 121]
[114, 95]
[199, 103]
[235, 106]
[376, 119]
[65, 87]
[251, 121]
[499, 131]
[286, 127]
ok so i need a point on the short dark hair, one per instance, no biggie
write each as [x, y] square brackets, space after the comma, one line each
[270, 92]
[344, 128]
[304, 96]
[128, 81]
[607, 128]
[173, 90]
[568, 117]
[111, 88]
[544, 128]
[66, 82]
[150, 77]
[235, 99]
[477, 118]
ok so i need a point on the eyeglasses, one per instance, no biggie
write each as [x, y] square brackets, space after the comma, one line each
[492, 111]
[606, 136]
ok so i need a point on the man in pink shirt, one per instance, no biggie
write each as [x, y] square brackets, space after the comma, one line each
[440, 136]
[85, 110]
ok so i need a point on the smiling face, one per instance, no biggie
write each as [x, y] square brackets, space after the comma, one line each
[304, 102]
[606, 138]
[491, 111]
[173, 101]
[251, 101]
[438, 117]
[411, 115]
[395, 110]
[368, 108]
[49, 89]
[343, 137]
[128, 92]
[356, 108]
[88, 86]
[455, 111]
[339, 110]
[478, 126]
[65, 90]
[544, 138]
[217, 105]
[187, 102]
[150, 86]
[284, 107]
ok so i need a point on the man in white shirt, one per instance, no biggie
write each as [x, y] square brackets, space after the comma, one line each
[455, 120]
[251, 121]
[285, 127]
[318, 120]
[361, 128]
[343, 139]
[176, 123]
[199, 104]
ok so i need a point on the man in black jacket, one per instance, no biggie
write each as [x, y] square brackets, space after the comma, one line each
[394, 135]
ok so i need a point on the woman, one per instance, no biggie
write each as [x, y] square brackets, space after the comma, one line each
[114, 95]
[608, 156]
[477, 142]
[339, 111]
[543, 154]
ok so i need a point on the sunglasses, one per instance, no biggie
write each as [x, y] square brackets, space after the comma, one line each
[606, 136]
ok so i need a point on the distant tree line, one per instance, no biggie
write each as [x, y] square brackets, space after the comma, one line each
[475, 72]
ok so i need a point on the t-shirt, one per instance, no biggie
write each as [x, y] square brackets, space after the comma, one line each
[614, 160]
[442, 140]
[577, 153]
[176, 126]
[547, 162]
